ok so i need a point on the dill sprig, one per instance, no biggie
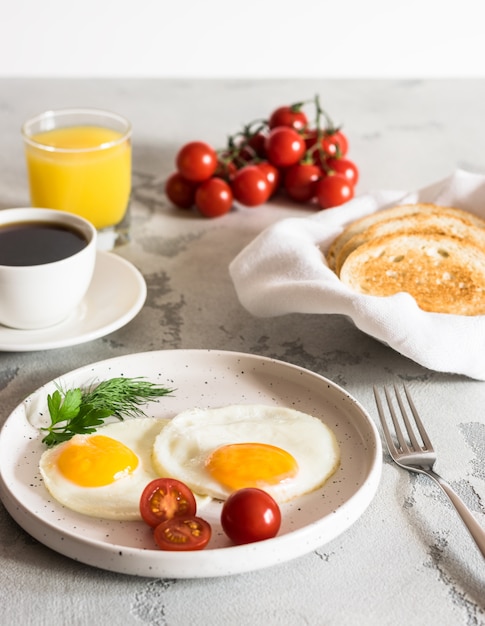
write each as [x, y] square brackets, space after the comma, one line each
[81, 411]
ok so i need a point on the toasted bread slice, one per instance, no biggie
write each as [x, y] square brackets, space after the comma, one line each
[423, 223]
[394, 212]
[442, 273]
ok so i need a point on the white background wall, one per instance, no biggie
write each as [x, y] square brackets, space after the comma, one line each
[247, 38]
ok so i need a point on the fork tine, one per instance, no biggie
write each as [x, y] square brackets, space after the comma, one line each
[422, 431]
[395, 420]
[410, 430]
[382, 416]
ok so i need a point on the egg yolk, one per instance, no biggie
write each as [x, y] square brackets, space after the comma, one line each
[241, 465]
[95, 461]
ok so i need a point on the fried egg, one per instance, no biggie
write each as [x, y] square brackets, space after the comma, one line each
[285, 452]
[104, 473]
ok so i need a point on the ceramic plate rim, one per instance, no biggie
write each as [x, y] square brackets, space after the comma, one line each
[12, 340]
[218, 561]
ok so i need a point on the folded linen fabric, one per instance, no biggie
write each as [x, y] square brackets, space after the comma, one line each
[283, 270]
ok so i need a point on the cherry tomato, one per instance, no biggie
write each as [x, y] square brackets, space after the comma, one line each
[196, 161]
[335, 144]
[291, 116]
[250, 186]
[300, 181]
[183, 533]
[165, 498]
[333, 190]
[256, 144]
[225, 168]
[346, 167]
[250, 515]
[180, 191]
[213, 197]
[284, 146]
[272, 174]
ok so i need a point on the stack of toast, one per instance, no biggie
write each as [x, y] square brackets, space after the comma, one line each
[434, 253]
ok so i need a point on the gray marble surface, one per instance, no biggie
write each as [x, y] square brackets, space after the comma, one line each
[408, 559]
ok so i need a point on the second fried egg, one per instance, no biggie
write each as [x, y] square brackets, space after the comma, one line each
[216, 451]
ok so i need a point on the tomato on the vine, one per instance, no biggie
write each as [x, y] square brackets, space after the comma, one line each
[300, 181]
[249, 515]
[272, 174]
[291, 116]
[335, 143]
[183, 533]
[345, 167]
[333, 190]
[165, 498]
[214, 197]
[284, 146]
[250, 186]
[180, 191]
[196, 161]
[256, 144]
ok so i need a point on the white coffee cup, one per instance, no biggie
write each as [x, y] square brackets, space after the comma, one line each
[43, 294]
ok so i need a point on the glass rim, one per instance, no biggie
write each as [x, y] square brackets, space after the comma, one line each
[60, 113]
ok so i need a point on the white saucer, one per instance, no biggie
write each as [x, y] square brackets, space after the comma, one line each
[116, 294]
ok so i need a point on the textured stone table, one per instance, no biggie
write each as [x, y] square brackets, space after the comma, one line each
[408, 555]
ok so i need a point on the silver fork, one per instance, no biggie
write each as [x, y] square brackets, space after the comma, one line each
[412, 455]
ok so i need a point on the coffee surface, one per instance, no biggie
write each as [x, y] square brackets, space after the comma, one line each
[37, 243]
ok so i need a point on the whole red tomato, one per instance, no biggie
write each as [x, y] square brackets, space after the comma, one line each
[300, 181]
[333, 190]
[291, 116]
[333, 143]
[256, 143]
[345, 167]
[213, 197]
[284, 146]
[196, 161]
[180, 191]
[250, 515]
[272, 174]
[250, 186]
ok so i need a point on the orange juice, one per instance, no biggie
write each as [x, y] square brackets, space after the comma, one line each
[81, 169]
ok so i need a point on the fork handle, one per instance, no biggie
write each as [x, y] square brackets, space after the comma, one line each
[474, 528]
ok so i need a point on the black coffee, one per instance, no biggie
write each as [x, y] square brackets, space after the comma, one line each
[37, 243]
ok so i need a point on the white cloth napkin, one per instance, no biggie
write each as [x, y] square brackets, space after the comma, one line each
[283, 271]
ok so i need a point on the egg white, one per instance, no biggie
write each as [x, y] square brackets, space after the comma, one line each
[182, 447]
[120, 499]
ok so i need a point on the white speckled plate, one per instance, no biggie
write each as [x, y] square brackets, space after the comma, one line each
[116, 295]
[202, 378]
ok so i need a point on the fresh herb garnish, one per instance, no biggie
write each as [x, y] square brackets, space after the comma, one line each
[81, 411]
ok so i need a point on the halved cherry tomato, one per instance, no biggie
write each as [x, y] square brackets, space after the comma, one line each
[196, 161]
[345, 167]
[180, 191]
[183, 533]
[250, 515]
[272, 174]
[333, 190]
[250, 186]
[291, 116]
[213, 197]
[300, 181]
[284, 146]
[166, 498]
